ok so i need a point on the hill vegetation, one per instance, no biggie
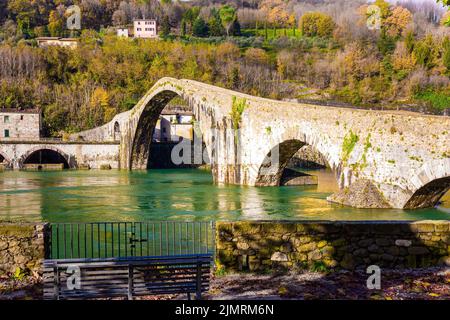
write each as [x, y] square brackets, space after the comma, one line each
[272, 48]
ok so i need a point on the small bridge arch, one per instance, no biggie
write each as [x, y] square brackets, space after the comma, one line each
[5, 160]
[433, 182]
[54, 153]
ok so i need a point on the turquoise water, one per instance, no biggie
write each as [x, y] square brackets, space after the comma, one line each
[174, 195]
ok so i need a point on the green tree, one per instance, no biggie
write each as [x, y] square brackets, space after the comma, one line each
[214, 24]
[409, 41]
[165, 26]
[183, 27]
[228, 17]
[385, 43]
[446, 53]
[200, 28]
[424, 52]
[446, 18]
[190, 15]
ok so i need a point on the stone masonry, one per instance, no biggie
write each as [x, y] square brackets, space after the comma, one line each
[266, 246]
[22, 246]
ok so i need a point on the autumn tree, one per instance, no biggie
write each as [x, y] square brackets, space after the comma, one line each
[314, 24]
[55, 24]
[397, 21]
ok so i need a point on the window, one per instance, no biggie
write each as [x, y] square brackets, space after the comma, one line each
[21, 117]
[6, 119]
[6, 133]
[139, 29]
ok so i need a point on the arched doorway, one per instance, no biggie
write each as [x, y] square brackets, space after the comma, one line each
[38, 159]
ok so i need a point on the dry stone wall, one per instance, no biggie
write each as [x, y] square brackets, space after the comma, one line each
[265, 246]
[22, 246]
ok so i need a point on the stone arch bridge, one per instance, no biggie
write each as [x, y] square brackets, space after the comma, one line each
[380, 158]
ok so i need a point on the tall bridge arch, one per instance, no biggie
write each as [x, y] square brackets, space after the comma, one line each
[381, 158]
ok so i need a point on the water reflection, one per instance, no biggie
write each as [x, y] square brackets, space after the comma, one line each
[179, 195]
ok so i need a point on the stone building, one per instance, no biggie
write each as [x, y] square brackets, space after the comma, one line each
[20, 124]
[145, 28]
[171, 127]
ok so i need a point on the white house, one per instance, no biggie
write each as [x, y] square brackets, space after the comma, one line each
[173, 127]
[123, 32]
[145, 28]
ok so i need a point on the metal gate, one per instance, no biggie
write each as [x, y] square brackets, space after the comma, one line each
[129, 239]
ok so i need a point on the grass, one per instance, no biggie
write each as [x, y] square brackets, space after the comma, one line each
[348, 145]
[437, 100]
[271, 33]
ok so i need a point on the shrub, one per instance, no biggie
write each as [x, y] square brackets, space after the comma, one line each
[314, 24]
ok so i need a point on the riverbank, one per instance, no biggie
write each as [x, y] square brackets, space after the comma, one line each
[417, 284]
[421, 284]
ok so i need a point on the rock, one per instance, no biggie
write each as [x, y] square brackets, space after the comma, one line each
[387, 257]
[330, 263]
[423, 226]
[253, 263]
[403, 243]
[279, 257]
[242, 246]
[374, 248]
[328, 251]
[315, 255]
[321, 244]
[286, 247]
[307, 247]
[360, 252]
[445, 261]
[395, 251]
[3, 245]
[417, 250]
[365, 242]
[347, 262]
[338, 242]
[299, 256]
[360, 194]
[382, 242]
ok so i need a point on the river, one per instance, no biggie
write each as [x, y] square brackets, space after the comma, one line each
[174, 195]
